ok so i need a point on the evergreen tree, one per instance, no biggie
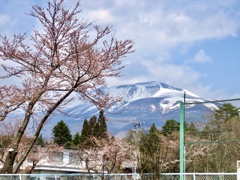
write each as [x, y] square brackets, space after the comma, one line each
[102, 131]
[150, 142]
[154, 139]
[170, 126]
[77, 139]
[226, 112]
[85, 134]
[92, 125]
[150, 151]
[96, 131]
[40, 140]
[61, 134]
[94, 128]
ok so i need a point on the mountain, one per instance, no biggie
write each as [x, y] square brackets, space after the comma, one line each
[146, 102]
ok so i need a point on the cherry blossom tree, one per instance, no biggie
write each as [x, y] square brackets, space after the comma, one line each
[110, 155]
[51, 65]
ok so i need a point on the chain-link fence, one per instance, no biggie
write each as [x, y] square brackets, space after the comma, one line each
[70, 177]
[148, 176]
[200, 176]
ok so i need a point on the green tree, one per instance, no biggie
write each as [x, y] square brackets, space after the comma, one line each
[61, 134]
[170, 126]
[88, 132]
[150, 151]
[226, 112]
[85, 133]
[102, 126]
[77, 139]
[40, 141]
[154, 138]
[92, 126]
[95, 127]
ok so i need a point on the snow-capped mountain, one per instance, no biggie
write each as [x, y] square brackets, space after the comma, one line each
[148, 102]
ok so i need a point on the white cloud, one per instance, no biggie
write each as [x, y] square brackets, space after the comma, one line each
[124, 3]
[160, 26]
[6, 23]
[164, 25]
[149, 18]
[174, 74]
[4, 19]
[201, 57]
[101, 16]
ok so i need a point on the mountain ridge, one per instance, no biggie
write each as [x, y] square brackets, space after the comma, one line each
[149, 102]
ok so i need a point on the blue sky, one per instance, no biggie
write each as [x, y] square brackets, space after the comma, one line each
[189, 44]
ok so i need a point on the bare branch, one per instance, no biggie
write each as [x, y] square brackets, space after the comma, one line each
[60, 59]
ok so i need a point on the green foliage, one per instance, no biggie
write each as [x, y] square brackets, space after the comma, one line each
[226, 112]
[85, 130]
[92, 126]
[77, 139]
[149, 147]
[170, 126]
[61, 134]
[150, 142]
[40, 141]
[95, 127]
[96, 131]
[102, 125]
[86, 134]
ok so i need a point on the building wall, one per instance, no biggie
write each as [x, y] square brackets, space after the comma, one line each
[61, 161]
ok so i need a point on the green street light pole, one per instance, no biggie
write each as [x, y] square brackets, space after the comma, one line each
[182, 141]
[182, 158]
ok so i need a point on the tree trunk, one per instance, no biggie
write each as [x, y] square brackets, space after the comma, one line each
[8, 165]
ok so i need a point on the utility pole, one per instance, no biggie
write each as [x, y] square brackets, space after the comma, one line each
[136, 128]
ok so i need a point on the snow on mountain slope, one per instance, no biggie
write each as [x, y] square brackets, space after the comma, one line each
[168, 98]
[151, 102]
[133, 92]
